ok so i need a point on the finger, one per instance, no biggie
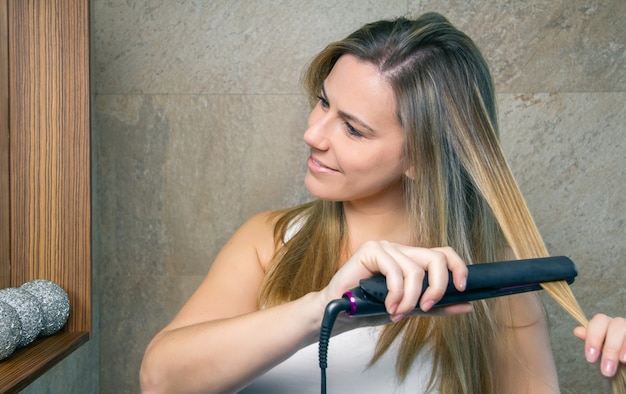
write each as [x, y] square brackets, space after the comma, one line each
[376, 258]
[614, 345]
[437, 262]
[412, 278]
[367, 261]
[437, 270]
[457, 266]
[596, 331]
[434, 264]
[580, 332]
[443, 260]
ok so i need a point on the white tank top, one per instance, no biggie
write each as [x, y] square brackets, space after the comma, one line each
[347, 372]
[348, 369]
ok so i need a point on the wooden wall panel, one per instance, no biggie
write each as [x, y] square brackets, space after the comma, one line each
[5, 279]
[45, 145]
[49, 144]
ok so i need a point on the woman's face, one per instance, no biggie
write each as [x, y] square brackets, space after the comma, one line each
[355, 138]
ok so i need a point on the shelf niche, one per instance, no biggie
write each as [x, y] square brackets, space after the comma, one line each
[45, 185]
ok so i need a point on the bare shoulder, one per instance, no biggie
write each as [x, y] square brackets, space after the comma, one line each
[249, 249]
[258, 232]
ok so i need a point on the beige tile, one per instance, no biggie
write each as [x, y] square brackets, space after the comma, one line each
[544, 45]
[229, 158]
[567, 151]
[179, 174]
[136, 308]
[218, 47]
[130, 142]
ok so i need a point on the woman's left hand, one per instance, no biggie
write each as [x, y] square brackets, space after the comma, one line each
[605, 338]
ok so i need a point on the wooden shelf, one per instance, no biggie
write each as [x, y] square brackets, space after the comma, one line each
[45, 180]
[25, 365]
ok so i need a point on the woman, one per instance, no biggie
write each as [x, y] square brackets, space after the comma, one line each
[410, 181]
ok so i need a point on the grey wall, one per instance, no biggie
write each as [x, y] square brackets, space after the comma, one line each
[199, 119]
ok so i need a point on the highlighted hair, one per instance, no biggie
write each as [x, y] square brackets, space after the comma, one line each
[461, 193]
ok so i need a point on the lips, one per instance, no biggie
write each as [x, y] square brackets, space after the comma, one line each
[319, 167]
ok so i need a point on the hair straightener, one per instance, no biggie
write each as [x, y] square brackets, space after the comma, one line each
[486, 280]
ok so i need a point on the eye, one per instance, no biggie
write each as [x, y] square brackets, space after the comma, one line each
[352, 131]
[323, 102]
[349, 128]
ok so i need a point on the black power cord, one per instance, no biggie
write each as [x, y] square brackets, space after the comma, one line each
[333, 309]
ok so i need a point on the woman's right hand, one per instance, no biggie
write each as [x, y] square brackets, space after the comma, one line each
[404, 268]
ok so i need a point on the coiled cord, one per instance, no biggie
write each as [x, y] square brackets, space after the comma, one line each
[330, 315]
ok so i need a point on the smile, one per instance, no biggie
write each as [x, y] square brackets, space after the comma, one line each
[318, 167]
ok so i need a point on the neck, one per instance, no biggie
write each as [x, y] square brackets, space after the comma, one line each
[383, 218]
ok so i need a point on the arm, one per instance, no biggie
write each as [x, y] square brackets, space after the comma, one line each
[220, 340]
[527, 362]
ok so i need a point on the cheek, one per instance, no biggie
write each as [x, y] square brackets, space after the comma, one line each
[386, 161]
[390, 167]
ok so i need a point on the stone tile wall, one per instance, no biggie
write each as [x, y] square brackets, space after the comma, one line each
[199, 119]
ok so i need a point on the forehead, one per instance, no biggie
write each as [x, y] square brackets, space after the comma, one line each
[358, 88]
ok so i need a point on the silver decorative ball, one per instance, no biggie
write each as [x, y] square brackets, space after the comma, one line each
[55, 304]
[28, 310]
[10, 329]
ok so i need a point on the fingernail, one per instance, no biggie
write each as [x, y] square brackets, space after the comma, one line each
[591, 354]
[426, 305]
[463, 284]
[397, 318]
[609, 368]
[392, 309]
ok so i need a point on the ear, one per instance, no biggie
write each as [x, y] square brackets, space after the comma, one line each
[410, 173]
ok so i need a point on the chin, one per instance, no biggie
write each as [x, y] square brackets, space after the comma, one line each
[322, 196]
[319, 192]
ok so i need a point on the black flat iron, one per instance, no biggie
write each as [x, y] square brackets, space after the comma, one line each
[486, 280]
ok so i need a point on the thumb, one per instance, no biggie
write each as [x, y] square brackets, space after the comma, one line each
[580, 333]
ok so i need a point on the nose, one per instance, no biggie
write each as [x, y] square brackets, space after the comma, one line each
[315, 135]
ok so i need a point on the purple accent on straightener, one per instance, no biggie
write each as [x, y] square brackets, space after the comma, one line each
[352, 303]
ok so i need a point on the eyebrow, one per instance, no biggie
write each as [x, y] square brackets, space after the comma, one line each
[349, 117]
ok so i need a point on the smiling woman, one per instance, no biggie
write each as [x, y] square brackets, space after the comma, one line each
[410, 182]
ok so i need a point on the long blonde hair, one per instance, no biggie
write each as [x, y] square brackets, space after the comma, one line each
[461, 192]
